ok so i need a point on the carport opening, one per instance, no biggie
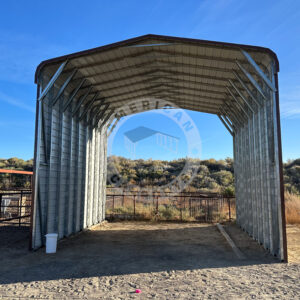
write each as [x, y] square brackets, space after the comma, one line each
[82, 94]
[153, 174]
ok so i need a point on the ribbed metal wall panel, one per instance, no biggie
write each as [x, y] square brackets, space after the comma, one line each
[71, 165]
[257, 178]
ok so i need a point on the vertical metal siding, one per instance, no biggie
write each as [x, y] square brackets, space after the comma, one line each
[257, 176]
[70, 183]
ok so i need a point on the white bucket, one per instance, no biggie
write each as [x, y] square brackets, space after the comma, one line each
[51, 242]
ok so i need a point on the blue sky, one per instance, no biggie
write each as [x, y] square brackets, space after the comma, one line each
[32, 31]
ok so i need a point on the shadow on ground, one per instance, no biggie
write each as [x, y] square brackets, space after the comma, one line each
[127, 249]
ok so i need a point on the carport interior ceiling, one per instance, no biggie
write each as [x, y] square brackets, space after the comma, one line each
[80, 96]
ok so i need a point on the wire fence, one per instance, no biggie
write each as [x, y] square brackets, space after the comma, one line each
[15, 207]
[201, 207]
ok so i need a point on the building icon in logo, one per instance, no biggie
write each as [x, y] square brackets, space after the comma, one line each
[132, 137]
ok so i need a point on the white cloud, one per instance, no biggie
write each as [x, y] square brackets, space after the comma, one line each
[290, 103]
[10, 124]
[290, 109]
[214, 19]
[15, 102]
[20, 55]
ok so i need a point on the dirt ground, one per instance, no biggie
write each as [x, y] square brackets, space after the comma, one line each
[164, 260]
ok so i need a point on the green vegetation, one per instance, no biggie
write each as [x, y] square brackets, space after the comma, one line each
[15, 180]
[211, 175]
[208, 175]
[16, 164]
[291, 173]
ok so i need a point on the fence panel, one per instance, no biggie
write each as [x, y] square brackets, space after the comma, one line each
[15, 208]
[169, 206]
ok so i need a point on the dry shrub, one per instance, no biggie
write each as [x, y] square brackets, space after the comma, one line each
[171, 211]
[292, 208]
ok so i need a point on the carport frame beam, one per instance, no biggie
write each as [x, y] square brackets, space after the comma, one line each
[52, 80]
[226, 125]
[259, 70]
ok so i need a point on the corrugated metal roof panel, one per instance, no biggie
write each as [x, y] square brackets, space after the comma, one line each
[160, 66]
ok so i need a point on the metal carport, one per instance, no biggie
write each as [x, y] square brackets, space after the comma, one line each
[78, 96]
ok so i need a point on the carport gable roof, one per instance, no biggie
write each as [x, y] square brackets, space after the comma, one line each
[193, 74]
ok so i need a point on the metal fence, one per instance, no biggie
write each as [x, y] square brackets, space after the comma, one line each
[15, 207]
[199, 207]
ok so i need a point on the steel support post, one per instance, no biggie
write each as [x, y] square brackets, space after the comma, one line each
[36, 223]
[279, 169]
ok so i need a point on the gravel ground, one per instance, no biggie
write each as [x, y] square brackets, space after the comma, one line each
[164, 260]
